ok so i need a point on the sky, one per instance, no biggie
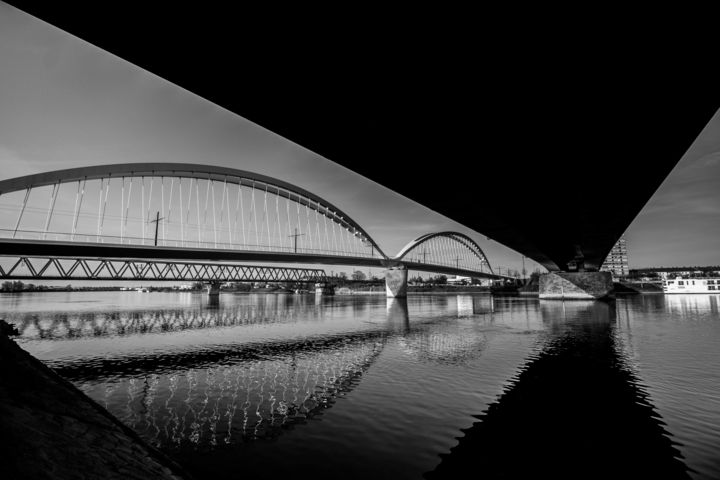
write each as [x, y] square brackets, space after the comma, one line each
[65, 103]
[680, 225]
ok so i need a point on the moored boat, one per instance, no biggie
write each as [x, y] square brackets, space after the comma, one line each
[692, 285]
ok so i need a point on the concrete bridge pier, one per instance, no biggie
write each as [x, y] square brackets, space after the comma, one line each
[396, 281]
[322, 288]
[213, 289]
[576, 285]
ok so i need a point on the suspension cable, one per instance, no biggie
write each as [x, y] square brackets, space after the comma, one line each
[342, 240]
[334, 236]
[242, 212]
[212, 185]
[254, 211]
[142, 207]
[189, 203]
[289, 233]
[79, 206]
[307, 225]
[147, 217]
[127, 207]
[222, 203]
[317, 228]
[100, 198]
[162, 206]
[297, 208]
[277, 237]
[170, 203]
[122, 204]
[182, 234]
[53, 197]
[197, 210]
[267, 217]
[102, 218]
[227, 198]
[327, 236]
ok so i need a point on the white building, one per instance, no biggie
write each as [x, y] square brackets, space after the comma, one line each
[458, 279]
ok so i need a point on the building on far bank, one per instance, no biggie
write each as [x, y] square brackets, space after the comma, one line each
[664, 273]
[617, 260]
[459, 280]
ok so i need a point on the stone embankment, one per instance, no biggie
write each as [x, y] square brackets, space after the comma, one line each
[51, 430]
[628, 288]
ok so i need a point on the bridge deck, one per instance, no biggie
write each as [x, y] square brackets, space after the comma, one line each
[87, 250]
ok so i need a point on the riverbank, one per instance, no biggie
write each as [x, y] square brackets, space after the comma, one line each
[51, 430]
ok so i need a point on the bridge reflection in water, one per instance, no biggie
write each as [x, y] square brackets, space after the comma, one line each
[220, 394]
[576, 409]
[205, 397]
[463, 338]
[69, 325]
[242, 401]
[210, 385]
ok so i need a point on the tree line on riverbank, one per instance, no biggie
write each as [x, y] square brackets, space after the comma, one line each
[18, 286]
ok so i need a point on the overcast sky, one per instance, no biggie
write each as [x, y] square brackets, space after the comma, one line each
[65, 103]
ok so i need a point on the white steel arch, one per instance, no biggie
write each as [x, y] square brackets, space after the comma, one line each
[447, 249]
[301, 207]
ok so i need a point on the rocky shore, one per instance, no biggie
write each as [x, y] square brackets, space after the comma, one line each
[51, 430]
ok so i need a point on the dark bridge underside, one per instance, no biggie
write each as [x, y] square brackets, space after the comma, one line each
[550, 154]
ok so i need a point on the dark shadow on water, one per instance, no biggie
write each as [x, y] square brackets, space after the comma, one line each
[575, 410]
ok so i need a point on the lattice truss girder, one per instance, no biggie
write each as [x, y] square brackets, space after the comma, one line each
[177, 205]
[60, 268]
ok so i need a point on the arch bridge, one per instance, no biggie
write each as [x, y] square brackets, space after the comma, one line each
[189, 214]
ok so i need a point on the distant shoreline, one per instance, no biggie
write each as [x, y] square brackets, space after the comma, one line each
[339, 291]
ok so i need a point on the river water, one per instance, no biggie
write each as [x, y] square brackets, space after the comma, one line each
[359, 386]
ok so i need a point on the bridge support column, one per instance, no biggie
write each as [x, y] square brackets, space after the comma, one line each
[213, 289]
[324, 289]
[396, 282]
[576, 285]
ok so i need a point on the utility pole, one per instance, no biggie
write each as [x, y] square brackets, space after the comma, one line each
[295, 237]
[156, 222]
